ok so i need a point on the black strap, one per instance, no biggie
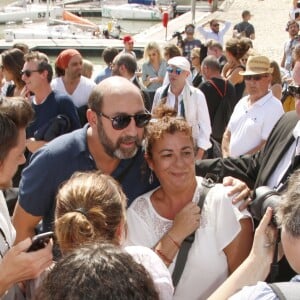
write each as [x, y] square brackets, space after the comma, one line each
[207, 184]
[286, 290]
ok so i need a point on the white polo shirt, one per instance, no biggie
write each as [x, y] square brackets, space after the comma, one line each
[251, 124]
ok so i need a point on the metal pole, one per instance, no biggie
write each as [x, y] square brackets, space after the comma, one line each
[48, 12]
[214, 5]
[193, 8]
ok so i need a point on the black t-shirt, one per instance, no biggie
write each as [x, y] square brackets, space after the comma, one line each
[245, 28]
[220, 107]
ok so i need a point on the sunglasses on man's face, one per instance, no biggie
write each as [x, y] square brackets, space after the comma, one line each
[122, 121]
[28, 73]
[294, 90]
[215, 25]
[256, 77]
[178, 71]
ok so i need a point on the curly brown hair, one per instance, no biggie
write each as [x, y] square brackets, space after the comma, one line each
[164, 120]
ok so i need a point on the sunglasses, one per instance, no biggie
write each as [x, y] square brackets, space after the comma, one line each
[294, 91]
[122, 121]
[178, 71]
[215, 25]
[28, 72]
[255, 77]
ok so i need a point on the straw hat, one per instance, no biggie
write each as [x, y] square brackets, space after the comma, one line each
[257, 65]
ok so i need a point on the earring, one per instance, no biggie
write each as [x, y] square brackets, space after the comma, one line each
[151, 177]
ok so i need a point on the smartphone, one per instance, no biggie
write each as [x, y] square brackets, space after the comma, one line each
[40, 241]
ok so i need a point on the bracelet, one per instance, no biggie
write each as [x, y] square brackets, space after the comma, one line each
[174, 242]
[164, 257]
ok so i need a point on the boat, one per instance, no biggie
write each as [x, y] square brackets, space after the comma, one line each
[17, 13]
[132, 11]
[60, 29]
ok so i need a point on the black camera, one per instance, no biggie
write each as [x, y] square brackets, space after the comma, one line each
[298, 4]
[294, 90]
[177, 35]
[264, 197]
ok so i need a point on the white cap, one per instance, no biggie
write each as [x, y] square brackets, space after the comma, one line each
[180, 62]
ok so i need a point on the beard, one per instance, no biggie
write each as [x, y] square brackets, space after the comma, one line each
[115, 150]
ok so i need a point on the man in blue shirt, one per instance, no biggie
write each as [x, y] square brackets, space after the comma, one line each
[109, 142]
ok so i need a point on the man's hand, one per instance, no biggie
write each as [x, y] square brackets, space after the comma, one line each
[18, 265]
[240, 189]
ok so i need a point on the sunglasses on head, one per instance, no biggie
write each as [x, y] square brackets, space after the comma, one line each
[178, 71]
[256, 77]
[294, 90]
[122, 121]
[28, 72]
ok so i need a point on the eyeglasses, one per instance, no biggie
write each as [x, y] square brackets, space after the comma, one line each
[294, 90]
[122, 121]
[178, 71]
[256, 77]
[28, 72]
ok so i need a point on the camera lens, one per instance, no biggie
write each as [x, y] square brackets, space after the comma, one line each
[263, 198]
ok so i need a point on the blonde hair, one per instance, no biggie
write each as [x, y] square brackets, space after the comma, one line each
[154, 47]
[87, 68]
[90, 207]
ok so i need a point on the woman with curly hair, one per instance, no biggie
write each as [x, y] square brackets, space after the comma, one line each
[235, 49]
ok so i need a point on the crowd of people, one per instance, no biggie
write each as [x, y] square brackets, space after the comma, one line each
[115, 164]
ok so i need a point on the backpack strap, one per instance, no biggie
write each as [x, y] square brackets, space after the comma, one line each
[182, 255]
[286, 290]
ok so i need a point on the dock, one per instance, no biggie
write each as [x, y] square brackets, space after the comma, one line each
[95, 46]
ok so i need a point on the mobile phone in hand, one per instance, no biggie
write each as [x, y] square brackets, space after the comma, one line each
[40, 241]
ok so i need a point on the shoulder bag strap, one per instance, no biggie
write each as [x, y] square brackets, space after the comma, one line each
[164, 95]
[286, 290]
[207, 184]
[217, 89]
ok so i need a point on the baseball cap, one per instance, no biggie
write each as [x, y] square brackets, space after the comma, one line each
[127, 39]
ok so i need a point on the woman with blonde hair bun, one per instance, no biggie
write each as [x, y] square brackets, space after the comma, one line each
[91, 208]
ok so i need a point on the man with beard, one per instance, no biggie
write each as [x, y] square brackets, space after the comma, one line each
[69, 81]
[292, 27]
[214, 33]
[109, 142]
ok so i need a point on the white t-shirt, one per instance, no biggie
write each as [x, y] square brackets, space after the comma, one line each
[206, 266]
[157, 269]
[6, 226]
[82, 92]
[250, 125]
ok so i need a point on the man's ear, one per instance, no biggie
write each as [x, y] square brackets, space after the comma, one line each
[92, 117]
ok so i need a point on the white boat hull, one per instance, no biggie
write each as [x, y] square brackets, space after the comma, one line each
[31, 11]
[131, 12]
